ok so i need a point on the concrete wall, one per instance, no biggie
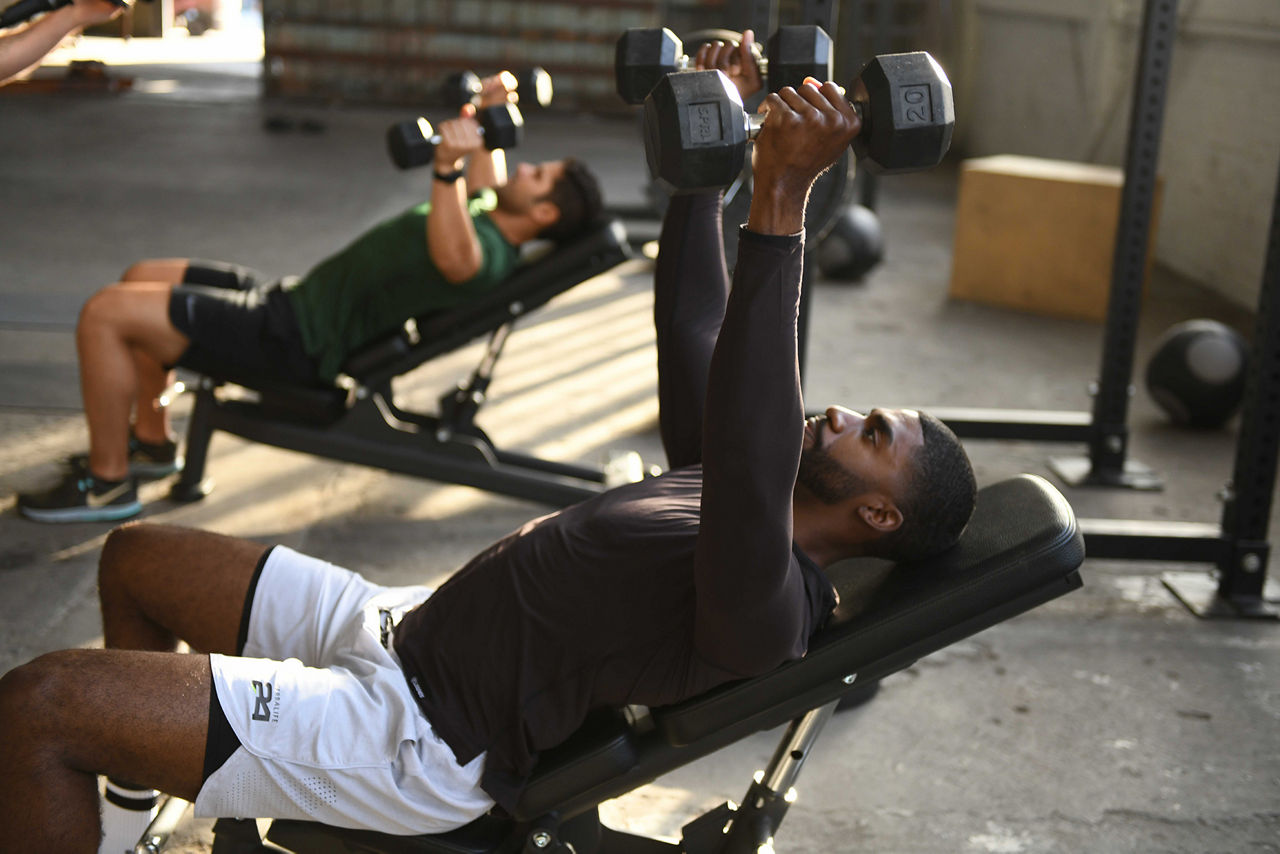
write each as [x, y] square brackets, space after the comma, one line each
[1049, 78]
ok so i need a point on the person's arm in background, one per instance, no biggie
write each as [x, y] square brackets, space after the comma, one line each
[22, 50]
[451, 236]
[737, 61]
[489, 168]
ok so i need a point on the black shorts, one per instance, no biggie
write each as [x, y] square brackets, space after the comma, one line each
[239, 324]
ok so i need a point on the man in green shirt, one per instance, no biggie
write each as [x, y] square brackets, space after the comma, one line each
[217, 318]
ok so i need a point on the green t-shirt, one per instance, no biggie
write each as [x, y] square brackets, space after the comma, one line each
[386, 276]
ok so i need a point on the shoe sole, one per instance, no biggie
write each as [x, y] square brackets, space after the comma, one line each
[113, 513]
[152, 471]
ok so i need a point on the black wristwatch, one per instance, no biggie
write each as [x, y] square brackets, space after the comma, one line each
[448, 177]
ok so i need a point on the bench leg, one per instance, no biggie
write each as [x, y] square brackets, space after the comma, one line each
[769, 796]
[238, 836]
[191, 484]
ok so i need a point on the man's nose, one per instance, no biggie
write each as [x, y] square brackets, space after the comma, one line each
[841, 419]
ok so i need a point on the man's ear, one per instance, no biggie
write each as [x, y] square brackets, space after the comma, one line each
[544, 213]
[880, 514]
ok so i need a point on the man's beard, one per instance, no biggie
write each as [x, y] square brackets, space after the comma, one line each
[829, 482]
[509, 201]
[503, 196]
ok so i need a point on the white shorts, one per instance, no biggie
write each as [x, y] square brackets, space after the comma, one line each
[328, 728]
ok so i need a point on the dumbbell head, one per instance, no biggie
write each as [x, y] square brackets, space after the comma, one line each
[534, 87]
[413, 143]
[643, 56]
[907, 113]
[695, 131]
[460, 89]
[797, 52]
[409, 143]
[503, 126]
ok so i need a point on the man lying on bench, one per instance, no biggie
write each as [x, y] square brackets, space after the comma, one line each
[220, 317]
[325, 697]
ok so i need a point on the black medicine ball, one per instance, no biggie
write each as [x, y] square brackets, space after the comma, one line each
[854, 245]
[1197, 373]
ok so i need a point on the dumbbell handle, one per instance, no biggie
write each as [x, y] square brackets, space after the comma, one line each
[755, 121]
[433, 138]
[685, 63]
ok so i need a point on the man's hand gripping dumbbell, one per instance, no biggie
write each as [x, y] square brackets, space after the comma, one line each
[532, 88]
[696, 130]
[643, 56]
[494, 118]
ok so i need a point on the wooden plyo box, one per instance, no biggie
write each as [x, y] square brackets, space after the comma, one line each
[1039, 235]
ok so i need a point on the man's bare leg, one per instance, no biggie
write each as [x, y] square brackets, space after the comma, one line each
[134, 712]
[159, 583]
[150, 424]
[150, 421]
[169, 270]
[69, 716]
[116, 321]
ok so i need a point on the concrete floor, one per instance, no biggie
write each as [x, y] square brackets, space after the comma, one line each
[1110, 720]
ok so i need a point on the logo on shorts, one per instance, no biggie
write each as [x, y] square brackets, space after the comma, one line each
[262, 693]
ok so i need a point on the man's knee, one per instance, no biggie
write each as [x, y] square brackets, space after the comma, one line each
[124, 553]
[137, 271]
[167, 270]
[104, 308]
[31, 694]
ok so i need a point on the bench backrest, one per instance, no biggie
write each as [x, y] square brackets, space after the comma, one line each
[1021, 549]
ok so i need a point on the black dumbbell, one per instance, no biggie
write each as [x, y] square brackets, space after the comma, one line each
[696, 131]
[413, 143]
[533, 85]
[643, 56]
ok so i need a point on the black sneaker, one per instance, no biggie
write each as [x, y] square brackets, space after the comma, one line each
[146, 461]
[80, 497]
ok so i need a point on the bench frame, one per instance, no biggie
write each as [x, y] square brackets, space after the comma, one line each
[356, 419]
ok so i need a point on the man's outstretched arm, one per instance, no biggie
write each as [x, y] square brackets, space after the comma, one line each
[23, 49]
[749, 607]
[690, 288]
[691, 283]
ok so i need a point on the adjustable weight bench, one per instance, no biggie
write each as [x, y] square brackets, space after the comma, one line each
[1021, 549]
[356, 419]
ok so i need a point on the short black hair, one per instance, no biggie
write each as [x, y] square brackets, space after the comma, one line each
[938, 500]
[576, 194]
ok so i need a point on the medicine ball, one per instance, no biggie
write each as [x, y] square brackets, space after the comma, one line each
[853, 246]
[1197, 373]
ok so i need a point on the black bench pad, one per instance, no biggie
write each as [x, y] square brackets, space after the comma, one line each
[1021, 548]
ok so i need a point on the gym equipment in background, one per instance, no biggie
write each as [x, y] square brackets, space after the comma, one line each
[1196, 373]
[853, 246]
[356, 418]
